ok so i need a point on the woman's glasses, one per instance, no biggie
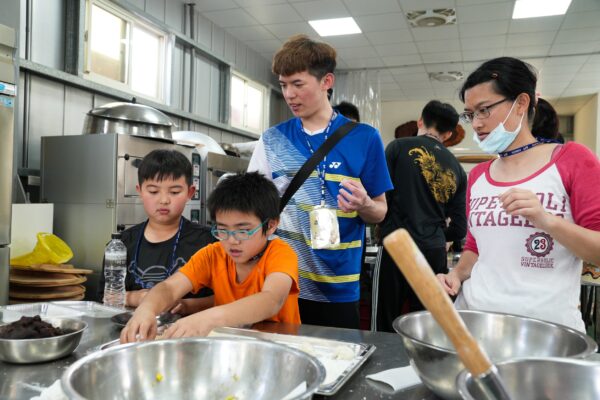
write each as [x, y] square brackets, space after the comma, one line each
[483, 112]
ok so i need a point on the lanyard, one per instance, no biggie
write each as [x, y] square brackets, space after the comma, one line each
[134, 265]
[526, 147]
[431, 135]
[323, 164]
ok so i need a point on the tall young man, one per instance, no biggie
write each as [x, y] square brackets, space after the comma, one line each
[351, 181]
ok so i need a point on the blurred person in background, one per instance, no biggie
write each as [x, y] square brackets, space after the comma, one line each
[348, 110]
[407, 129]
[429, 188]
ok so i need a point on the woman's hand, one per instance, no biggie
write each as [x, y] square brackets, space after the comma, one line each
[450, 282]
[524, 202]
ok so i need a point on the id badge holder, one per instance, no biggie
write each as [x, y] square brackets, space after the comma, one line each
[324, 228]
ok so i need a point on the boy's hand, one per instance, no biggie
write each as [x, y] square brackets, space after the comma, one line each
[142, 324]
[191, 306]
[186, 307]
[193, 325]
[133, 298]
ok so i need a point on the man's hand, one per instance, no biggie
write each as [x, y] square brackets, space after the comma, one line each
[353, 196]
[142, 324]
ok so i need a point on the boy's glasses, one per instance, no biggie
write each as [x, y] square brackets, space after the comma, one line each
[240, 234]
[483, 112]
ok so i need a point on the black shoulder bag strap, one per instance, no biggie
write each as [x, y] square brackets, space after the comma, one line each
[310, 164]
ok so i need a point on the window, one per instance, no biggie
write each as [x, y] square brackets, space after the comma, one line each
[247, 104]
[124, 53]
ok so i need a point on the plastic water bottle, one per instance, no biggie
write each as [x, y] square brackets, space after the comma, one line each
[115, 268]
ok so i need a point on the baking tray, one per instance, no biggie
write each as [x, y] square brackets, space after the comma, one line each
[325, 350]
[66, 308]
[90, 308]
[14, 312]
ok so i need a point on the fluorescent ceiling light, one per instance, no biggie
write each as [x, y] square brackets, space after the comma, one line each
[335, 26]
[539, 8]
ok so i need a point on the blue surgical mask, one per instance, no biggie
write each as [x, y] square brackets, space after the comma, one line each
[499, 139]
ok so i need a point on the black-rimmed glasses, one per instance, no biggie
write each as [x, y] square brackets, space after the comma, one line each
[483, 112]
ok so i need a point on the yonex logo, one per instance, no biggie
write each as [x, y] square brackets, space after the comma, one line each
[334, 164]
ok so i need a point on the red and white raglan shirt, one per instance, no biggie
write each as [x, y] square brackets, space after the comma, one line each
[521, 269]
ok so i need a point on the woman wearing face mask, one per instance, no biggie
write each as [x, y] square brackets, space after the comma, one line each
[533, 213]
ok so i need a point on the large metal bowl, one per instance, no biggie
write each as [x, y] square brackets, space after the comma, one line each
[538, 378]
[194, 368]
[502, 336]
[26, 351]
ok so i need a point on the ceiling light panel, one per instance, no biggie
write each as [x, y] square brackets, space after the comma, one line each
[539, 8]
[335, 26]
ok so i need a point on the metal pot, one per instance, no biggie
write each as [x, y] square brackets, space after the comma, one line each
[128, 119]
[230, 149]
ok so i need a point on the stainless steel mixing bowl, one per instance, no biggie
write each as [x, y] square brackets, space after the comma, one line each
[26, 351]
[194, 368]
[502, 336]
[541, 378]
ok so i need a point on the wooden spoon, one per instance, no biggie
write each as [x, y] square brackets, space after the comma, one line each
[419, 274]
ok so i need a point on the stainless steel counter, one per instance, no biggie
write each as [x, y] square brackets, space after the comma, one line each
[15, 380]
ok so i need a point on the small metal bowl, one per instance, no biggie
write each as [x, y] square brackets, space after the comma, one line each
[194, 368]
[29, 351]
[541, 378]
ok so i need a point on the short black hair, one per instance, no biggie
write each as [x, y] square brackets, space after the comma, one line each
[247, 192]
[510, 77]
[164, 164]
[440, 116]
[545, 121]
[348, 110]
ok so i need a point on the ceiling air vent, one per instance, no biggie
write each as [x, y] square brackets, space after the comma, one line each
[447, 76]
[432, 18]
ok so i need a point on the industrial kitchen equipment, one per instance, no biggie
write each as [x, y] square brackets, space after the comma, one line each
[8, 91]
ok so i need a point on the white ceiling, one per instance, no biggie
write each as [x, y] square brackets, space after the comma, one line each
[565, 49]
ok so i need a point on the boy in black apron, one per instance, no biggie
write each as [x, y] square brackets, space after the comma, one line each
[159, 246]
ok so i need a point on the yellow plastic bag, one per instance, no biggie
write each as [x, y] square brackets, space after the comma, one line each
[49, 249]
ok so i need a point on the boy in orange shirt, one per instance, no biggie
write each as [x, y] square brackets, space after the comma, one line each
[253, 278]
